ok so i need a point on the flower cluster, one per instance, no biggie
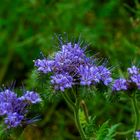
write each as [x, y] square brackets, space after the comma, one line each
[62, 81]
[71, 66]
[88, 75]
[134, 74]
[14, 108]
[120, 84]
[133, 80]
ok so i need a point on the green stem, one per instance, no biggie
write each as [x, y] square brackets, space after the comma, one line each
[136, 112]
[77, 120]
[125, 132]
[68, 101]
[75, 107]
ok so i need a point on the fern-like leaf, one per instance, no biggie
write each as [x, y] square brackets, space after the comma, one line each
[112, 132]
[103, 131]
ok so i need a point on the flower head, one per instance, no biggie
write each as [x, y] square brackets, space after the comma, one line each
[136, 80]
[13, 119]
[5, 108]
[69, 58]
[134, 76]
[61, 81]
[133, 70]
[105, 75]
[70, 66]
[119, 84]
[88, 75]
[7, 96]
[44, 65]
[14, 108]
[31, 96]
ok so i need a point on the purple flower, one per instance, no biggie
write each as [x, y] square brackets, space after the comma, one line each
[7, 96]
[134, 75]
[74, 50]
[137, 134]
[5, 108]
[44, 65]
[14, 108]
[136, 79]
[13, 119]
[133, 70]
[70, 66]
[88, 75]
[120, 84]
[69, 58]
[61, 81]
[132, 82]
[31, 96]
[105, 75]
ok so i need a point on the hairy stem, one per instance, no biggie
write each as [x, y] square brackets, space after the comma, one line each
[77, 120]
[75, 107]
[68, 101]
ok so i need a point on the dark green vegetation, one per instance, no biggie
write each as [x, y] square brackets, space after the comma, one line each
[112, 27]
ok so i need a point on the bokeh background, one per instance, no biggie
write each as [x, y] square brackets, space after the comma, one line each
[27, 27]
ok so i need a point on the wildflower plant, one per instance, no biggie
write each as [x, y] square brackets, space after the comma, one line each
[70, 69]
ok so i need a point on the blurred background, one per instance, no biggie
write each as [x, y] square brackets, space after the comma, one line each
[27, 27]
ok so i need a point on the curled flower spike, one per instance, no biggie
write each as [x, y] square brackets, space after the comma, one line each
[120, 85]
[136, 79]
[13, 119]
[134, 75]
[88, 75]
[14, 108]
[105, 75]
[44, 65]
[61, 81]
[69, 58]
[31, 96]
[133, 70]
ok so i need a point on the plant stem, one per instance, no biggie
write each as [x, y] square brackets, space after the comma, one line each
[68, 101]
[125, 132]
[75, 107]
[136, 112]
[77, 121]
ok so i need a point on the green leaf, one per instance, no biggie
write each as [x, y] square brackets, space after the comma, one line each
[90, 127]
[103, 131]
[111, 132]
